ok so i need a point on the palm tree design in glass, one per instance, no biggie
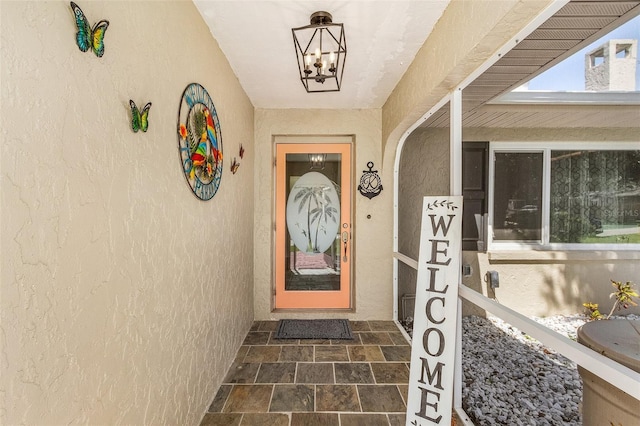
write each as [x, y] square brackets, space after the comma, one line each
[321, 211]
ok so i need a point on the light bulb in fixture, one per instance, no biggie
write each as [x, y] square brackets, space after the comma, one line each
[307, 61]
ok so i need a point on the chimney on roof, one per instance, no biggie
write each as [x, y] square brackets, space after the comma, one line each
[612, 66]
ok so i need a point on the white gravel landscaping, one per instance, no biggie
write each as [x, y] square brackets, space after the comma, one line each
[509, 378]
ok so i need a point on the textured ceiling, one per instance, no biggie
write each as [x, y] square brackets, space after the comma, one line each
[382, 40]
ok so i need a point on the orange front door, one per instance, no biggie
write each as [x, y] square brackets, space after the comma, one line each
[313, 226]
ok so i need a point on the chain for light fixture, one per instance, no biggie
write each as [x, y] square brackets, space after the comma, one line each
[323, 40]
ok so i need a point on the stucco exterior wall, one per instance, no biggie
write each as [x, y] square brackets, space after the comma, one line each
[372, 237]
[553, 282]
[124, 298]
[613, 73]
[531, 282]
[423, 171]
[597, 78]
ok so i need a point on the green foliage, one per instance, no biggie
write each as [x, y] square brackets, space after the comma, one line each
[624, 295]
[592, 311]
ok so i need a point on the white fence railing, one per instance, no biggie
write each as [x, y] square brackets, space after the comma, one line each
[608, 370]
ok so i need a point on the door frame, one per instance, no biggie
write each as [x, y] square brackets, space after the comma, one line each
[325, 299]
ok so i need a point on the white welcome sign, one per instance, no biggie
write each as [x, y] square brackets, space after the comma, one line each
[434, 328]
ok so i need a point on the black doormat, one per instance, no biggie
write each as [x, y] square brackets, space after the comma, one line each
[314, 329]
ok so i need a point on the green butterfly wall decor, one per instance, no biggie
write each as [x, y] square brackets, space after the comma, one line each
[139, 120]
[87, 37]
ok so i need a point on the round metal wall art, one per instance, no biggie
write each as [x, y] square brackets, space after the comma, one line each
[370, 182]
[200, 142]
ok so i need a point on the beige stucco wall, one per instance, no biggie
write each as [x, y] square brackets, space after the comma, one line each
[531, 282]
[423, 170]
[372, 237]
[551, 283]
[123, 298]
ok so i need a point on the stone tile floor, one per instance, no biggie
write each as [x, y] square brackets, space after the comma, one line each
[316, 382]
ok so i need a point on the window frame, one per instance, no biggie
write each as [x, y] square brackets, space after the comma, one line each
[545, 148]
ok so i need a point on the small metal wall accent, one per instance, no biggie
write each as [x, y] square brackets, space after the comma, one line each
[234, 166]
[139, 119]
[370, 182]
[88, 38]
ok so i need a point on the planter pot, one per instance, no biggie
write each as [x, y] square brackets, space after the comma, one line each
[603, 403]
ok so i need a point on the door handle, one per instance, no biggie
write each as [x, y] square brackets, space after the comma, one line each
[345, 239]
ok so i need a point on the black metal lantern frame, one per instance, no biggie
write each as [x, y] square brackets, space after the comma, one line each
[321, 50]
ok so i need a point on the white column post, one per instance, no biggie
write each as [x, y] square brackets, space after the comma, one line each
[455, 143]
[455, 188]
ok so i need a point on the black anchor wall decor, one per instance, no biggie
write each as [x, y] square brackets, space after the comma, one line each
[370, 182]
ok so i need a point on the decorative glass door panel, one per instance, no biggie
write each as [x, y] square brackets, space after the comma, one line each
[313, 226]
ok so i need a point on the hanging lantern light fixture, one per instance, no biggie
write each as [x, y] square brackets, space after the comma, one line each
[317, 161]
[321, 49]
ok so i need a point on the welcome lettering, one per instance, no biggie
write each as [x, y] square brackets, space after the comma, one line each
[431, 376]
